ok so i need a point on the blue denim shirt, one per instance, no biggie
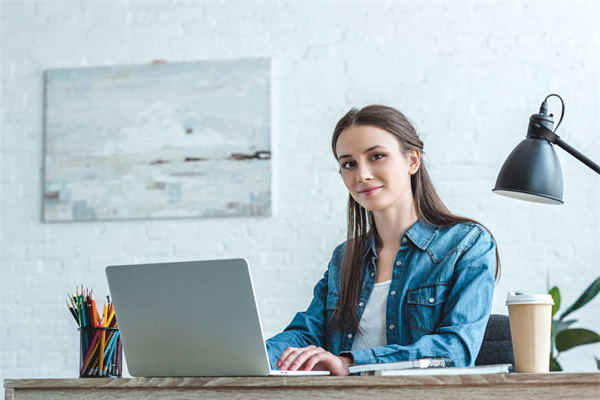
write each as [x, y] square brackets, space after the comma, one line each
[438, 303]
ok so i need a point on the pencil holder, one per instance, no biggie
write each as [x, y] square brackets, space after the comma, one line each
[101, 354]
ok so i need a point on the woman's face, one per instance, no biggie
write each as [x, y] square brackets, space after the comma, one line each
[375, 171]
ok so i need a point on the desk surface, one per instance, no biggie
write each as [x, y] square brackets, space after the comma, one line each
[547, 386]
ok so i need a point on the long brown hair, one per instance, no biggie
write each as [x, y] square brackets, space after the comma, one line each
[361, 225]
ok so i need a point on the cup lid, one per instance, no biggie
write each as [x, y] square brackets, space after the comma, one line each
[512, 298]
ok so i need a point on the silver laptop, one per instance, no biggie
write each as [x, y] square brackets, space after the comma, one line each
[197, 318]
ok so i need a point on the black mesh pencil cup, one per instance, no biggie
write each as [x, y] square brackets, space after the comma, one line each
[101, 354]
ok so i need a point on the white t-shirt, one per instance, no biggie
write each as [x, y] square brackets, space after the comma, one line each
[372, 325]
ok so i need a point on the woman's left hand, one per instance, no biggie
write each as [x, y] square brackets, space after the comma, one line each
[313, 358]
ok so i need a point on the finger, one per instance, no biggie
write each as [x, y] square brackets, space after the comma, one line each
[305, 356]
[286, 355]
[292, 356]
[322, 357]
[290, 350]
[294, 360]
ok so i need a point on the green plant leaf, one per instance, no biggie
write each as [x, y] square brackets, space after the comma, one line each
[570, 338]
[554, 365]
[585, 297]
[560, 325]
[555, 293]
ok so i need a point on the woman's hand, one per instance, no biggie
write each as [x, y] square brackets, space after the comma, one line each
[313, 358]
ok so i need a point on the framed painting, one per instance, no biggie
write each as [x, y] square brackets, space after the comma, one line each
[180, 140]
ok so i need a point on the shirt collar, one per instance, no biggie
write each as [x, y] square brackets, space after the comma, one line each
[421, 234]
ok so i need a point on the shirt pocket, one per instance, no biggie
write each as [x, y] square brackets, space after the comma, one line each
[425, 306]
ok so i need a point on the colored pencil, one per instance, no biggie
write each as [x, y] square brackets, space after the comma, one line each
[82, 306]
[96, 318]
[111, 315]
[100, 348]
[92, 349]
[88, 306]
[73, 312]
[104, 313]
[103, 338]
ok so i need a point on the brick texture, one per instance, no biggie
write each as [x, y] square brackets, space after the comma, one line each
[468, 74]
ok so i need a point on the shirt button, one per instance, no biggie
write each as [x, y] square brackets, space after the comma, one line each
[361, 304]
[431, 300]
[349, 336]
[398, 263]
[403, 240]
[393, 293]
[372, 273]
[392, 326]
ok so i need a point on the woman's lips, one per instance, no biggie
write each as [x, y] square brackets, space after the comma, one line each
[370, 191]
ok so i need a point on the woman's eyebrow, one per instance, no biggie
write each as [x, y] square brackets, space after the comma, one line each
[364, 152]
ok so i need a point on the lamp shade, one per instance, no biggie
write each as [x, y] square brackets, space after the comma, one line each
[532, 172]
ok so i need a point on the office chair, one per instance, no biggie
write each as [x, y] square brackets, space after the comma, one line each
[497, 344]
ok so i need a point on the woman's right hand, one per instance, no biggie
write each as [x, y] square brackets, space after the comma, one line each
[313, 358]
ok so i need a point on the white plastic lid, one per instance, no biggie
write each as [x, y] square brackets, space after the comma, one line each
[512, 298]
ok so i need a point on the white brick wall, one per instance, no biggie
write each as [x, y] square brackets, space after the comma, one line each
[469, 74]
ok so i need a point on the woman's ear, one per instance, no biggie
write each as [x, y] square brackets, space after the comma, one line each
[414, 161]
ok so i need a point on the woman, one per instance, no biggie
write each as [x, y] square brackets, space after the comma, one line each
[412, 280]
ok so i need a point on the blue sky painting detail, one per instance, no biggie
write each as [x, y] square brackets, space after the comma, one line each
[158, 141]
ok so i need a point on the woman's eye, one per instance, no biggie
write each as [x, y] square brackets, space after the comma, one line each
[374, 157]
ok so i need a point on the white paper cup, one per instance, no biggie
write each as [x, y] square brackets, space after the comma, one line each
[530, 325]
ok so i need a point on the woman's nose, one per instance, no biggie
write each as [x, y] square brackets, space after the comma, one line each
[364, 173]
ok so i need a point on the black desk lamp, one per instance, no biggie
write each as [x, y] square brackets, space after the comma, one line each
[532, 171]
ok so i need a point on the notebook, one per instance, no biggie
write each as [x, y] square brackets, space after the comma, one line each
[197, 318]
[480, 370]
[421, 363]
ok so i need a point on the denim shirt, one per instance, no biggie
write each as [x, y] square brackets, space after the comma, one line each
[438, 303]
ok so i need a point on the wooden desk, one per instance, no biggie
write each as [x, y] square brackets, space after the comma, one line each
[506, 386]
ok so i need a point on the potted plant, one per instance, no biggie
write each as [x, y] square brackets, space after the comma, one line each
[563, 336]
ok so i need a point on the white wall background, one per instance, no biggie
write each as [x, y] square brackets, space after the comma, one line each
[468, 74]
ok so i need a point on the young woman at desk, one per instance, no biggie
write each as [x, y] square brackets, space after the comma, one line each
[412, 280]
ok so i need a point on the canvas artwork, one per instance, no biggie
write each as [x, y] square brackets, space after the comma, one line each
[158, 141]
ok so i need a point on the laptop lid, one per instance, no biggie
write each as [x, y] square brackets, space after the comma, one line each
[197, 318]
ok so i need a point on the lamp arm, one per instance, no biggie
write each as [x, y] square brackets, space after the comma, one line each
[555, 139]
[566, 147]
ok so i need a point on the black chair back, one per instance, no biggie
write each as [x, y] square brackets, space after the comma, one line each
[497, 344]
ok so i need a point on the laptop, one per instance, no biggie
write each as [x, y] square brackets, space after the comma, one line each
[197, 318]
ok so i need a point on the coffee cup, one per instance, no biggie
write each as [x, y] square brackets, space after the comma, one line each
[530, 326]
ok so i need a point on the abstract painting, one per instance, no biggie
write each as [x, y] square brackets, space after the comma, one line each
[181, 140]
